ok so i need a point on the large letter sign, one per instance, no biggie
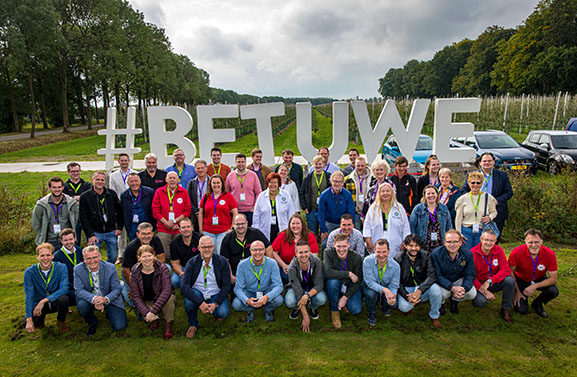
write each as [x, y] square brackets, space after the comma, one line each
[207, 135]
[445, 129]
[262, 113]
[160, 137]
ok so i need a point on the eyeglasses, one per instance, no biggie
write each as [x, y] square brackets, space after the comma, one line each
[206, 247]
[339, 182]
[475, 182]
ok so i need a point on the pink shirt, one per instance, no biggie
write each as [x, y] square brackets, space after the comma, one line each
[249, 186]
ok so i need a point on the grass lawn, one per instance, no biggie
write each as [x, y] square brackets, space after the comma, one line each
[475, 342]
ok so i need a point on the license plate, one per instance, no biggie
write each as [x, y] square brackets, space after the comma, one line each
[519, 167]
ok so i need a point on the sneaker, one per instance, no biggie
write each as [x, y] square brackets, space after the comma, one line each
[314, 313]
[268, 316]
[250, 316]
[372, 319]
[91, 329]
[294, 314]
[386, 311]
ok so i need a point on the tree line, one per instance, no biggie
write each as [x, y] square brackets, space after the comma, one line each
[537, 57]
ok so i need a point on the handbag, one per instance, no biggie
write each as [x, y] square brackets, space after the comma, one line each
[491, 224]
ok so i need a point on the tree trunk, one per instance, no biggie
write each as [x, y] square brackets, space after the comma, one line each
[42, 104]
[33, 103]
[106, 101]
[13, 102]
[95, 106]
[117, 97]
[62, 64]
[78, 98]
[88, 109]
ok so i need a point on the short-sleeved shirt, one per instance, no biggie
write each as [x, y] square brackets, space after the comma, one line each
[131, 252]
[236, 251]
[155, 182]
[224, 204]
[523, 263]
[287, 251]
[182, 252]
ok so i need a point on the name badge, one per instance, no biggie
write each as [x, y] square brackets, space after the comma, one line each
[171, 216]
[259, 295]
[135, 219]
[214, 220]
[273, 220]
[434, 236]
[361, 198]
[57, 228]
[105, 217]
[318, 199]
[206, 295]
[475, 228]
[242, 196]
[343, 289]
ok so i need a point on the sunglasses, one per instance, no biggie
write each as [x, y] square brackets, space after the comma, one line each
[475, 182]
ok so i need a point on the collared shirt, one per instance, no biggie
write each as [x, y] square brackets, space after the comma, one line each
[182, 252]
[329, 168]
[211, 285]
[96, 282]
[186, 174]
[487, 182]
[246, 185]
[235, 250]
[355, 239]
[332, 206]
[156, 181]
[247, 283]
[391, 274]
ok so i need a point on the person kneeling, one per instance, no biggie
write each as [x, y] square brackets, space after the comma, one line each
[344, 273]
[98, 288]
[305, 273]
[152, 290]
[381, 277]
[46, 288]
[206, 291]
[258, 284]
[418, 278]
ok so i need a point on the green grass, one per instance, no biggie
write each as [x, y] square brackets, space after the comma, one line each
[475, 342]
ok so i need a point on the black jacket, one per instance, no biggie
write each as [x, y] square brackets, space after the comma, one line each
[305, 190]
[145, 201]
[425, 274]
[91, 214]
[69, 190]
[406, 191]
[191, 271]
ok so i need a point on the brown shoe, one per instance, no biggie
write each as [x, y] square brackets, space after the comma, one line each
[336, 319]
[408, 313]
[168, 330]
[154, 324]
[62, 327]
[191, 332]
[436, 322]
[507, 316]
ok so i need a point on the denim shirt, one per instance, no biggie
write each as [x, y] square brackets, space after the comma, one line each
[420, 220]
[391, 276]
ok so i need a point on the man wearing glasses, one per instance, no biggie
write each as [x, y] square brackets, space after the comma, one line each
[185, 171]
[333, 203]
[455, 269]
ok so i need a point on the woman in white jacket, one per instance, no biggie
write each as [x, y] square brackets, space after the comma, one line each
[273, 208]
[386, 219]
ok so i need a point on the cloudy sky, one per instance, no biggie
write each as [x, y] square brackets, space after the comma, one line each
[319, 48]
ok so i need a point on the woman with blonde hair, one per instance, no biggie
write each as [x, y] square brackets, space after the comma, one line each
[387, 219]
[380, 170]
[448, 192]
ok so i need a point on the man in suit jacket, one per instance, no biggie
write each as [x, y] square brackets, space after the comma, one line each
[496, 182]
[97, 287]
[206, 291]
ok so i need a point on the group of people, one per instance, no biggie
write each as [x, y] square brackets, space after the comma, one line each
[388, 238]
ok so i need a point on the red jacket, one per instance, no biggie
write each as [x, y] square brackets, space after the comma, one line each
[499, 266]
[161, 206]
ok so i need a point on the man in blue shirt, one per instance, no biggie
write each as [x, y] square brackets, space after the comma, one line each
[258, 284]
[46, 289]
[185, 171]
[455, 269]
[381, 276]
[333, 203]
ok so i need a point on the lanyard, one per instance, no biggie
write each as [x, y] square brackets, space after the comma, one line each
[319, 181]
[215, 202]
[56, 211]
[259, 167]
[382, 272]
[361, 184]
[327, 167]
[124, 176]
[90, 277]
[205, 270]
[49, 275]
[486, 180]
[308, 273]
[241, 181]
[456, 260]
[273, 206]
[413, 273]
[260, 272]
[336, 195]
[436, 182]
[170, 197]
[75, 188]
[68, 256]
[200, 187]
[346, 262]
[135, 202]
[386, 219]
[490, 266]
[179, 172]
[217, 171]
[475, 205]
[243, 243]
[432, 216]
[535, 262]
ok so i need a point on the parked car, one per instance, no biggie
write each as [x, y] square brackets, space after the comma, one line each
[555, 150]
[423, 150]
[509, 155]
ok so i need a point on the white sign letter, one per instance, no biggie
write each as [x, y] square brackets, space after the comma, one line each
[445, 129]
[207, 135]
[160, 137]
[262, 113]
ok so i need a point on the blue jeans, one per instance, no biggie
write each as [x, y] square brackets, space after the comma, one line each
[371, 299]
[175, 280]
[116, 315]
[473, 239]
[330, 227]
[78, 231]
[433, 294]
[216, 239]
[111, 245]
[313, 223]
[221, 312]
[358, 222]
[317, 300]
[125, 292]
[271, 305]
[333, 288]
[283, 275]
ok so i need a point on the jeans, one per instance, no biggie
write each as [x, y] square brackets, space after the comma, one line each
[547, 294]
[216, 239]
[271, 305]
[78, 231]
[469, 295]
[330, 228]
[116, 315]
[313, 223]
[175, 280]
[59, 306]
[358, 222]
[125, 291]
[508, 288]
[433, 295]
[371, 299]
[317, 300]
[284, 277]
[354, 303]
[473, 239]
[111, 245]
[191, 308]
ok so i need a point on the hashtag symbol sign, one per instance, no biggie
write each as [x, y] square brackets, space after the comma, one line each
[111, 131]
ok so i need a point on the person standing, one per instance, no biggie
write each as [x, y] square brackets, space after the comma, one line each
[430, 175]
[184, 171]
[328, 167]
[119, 184]
[405, 184]
[261, 171]
[197, 188]
[353, 155]
[448, 192]
[216, 167]
[244, 186]
[431, 219]
[152, 176]
[358, 185]
[136, 205]
[74, 187]
[334, 203]
[296, 170]
[314, 184]
[289, 186]
[273, 208]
